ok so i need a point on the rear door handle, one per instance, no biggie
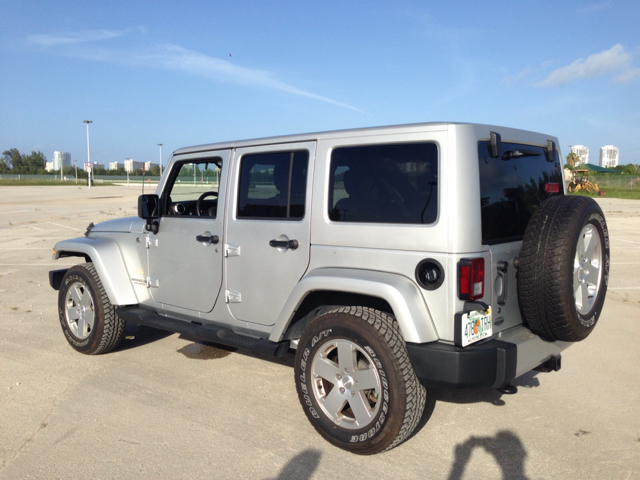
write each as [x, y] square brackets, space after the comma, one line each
[291, 244]
[503, 268]
[208, 239]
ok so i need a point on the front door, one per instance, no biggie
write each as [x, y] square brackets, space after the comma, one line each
[268, 231]
[185, 256]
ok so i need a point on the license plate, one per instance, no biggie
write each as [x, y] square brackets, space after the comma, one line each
[476, 326]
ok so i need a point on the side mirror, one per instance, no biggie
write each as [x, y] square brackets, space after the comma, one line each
[149, 210]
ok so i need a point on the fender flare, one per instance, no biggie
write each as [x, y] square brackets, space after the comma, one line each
[103, 252]
[401, 293]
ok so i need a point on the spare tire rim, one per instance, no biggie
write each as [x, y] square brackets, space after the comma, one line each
[346, 384]
[587, 268]
[79, 310]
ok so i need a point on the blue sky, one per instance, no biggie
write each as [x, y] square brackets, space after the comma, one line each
[188, 73]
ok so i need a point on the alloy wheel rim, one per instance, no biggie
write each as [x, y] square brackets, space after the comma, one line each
[587, 269]
[346, 384]
[79, 310]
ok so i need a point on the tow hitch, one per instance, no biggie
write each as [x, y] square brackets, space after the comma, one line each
[553, 364]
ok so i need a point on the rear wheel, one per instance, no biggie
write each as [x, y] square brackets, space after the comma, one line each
[355, 380]
[87, 317]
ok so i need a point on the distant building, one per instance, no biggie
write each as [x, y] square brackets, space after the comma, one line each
[130, 165]
[116, 166]
[94, 164]
[149, 165]
[582, 152]
[609, 156]
[48, 167]
[61, 159]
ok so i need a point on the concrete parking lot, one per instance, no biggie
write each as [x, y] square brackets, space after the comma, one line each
[162, 406]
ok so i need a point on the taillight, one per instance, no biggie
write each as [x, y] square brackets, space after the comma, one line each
[471, 278]
[551, 187]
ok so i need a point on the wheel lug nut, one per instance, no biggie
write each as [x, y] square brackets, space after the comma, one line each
[338, 376]
[353, 393]
[341, 389]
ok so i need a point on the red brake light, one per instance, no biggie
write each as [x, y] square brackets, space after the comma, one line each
[471, 278]
[551, 187]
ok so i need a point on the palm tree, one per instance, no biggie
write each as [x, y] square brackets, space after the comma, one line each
[572, 160]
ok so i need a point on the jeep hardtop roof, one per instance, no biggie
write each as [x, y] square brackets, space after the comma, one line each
[346, 133]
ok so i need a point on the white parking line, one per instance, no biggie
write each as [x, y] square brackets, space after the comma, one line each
[625, 240]
[64, 226]
[624, 288]
[19, 211]
[30, 264]
[32, 227]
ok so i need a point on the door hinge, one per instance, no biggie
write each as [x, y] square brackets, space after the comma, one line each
[233, 297]
[151, 243]
[231, 251]
[153, 282]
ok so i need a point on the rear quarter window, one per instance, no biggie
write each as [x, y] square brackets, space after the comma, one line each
[386, 183]
[511, 190]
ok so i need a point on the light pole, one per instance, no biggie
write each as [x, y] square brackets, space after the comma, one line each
[126, 163]
[76, 165]
[160, 145]
[88, 152]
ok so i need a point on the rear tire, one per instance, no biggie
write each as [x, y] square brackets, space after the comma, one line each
[355, 381]
[89, 321]
[564, 268]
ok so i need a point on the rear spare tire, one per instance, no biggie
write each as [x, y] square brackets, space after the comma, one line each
[564, 268]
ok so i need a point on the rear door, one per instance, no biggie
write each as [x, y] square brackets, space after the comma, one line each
[268, 229]
[511, 189]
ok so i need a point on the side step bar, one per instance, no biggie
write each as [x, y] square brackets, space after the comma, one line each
[207, 333]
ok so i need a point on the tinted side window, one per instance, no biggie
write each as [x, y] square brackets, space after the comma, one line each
[273, 185]
[391, 183]
[511, 188]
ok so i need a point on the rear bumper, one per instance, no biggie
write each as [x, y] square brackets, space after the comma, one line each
[493, 363]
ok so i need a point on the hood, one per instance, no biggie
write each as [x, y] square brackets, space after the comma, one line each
[127, 224]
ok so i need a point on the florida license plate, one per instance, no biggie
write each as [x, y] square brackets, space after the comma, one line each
[476, 326]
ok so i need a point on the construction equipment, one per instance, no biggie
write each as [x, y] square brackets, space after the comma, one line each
[580, 181]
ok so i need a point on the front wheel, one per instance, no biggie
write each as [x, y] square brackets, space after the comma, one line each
[88, 319]
[355, 380]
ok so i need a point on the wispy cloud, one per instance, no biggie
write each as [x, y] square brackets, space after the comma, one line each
[73, 38]
[170, 57]
[593, 7]
[616, 58]
[524, 75]
[628, 75]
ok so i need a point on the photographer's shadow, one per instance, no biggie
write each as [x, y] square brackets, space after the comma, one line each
[505, 447]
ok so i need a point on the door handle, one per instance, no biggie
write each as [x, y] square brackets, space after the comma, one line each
[291, 244]
[208, 239]
[503, 268]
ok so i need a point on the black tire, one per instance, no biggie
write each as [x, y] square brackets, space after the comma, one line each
[88, 320]
[564, 268]
[369, 420]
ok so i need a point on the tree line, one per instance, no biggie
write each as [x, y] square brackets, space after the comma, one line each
[14, 162]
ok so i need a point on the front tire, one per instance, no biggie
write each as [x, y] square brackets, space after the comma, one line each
[89, 321]
[355, 381]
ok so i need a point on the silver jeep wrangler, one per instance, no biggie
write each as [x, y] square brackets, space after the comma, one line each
[391, 259]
